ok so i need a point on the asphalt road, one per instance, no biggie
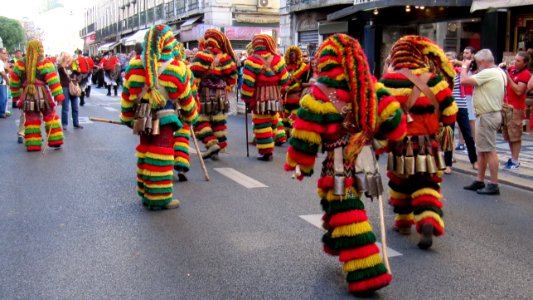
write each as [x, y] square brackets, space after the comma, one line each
[72, 227]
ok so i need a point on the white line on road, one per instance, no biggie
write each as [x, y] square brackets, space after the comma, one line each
[316, 220]
[240, 178]
[110, 108]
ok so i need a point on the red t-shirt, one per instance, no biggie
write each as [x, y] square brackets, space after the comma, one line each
[518, 102]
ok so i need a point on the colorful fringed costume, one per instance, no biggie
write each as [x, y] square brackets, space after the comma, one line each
[342, 112]
[34, 81]
[415, 163]
[215, 72]
[155, 85]
[265, 73]
[299, 74]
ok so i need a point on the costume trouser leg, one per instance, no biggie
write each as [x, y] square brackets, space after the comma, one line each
[263, 126]
[279, 130]
[53, 126]
[218, 125]
[422, 198]
[32, 131]
[204, 131]
[349, 234]
[181, 148]
[155, 155]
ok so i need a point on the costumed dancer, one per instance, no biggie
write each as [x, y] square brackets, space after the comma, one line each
[84, 65]
[215, 72]
[299, 75]
[342, 112]
[265, 73]
[155, 85]
[111, 66]
[420, 77]
[33, 82]
[182, 136]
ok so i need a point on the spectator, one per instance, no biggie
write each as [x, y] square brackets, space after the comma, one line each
[518, 76]
[4, 82]
[66, 74]
[462, 117]
[468, 54]
[489, 91]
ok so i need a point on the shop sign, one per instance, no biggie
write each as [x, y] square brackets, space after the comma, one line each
[90, 39]
[246, 33]
[196, 32]
[256, 19]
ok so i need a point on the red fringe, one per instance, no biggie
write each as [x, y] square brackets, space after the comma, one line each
[349, 217]
[330, 251]
[308, 126]
[400, 202]
[358, 253]
[301, 158]
[437, 230]
[427, 200]
[370, 284]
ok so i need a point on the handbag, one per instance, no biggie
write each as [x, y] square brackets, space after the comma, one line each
[74, 89]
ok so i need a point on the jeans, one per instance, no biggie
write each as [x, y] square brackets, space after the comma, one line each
[3, 100]
[65, 108]
[464, 125]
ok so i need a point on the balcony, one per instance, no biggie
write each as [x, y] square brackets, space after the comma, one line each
[298, 5]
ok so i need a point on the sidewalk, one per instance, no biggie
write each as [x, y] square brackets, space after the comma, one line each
[521, 178]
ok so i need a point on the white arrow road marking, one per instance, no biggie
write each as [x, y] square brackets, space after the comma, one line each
[316, 220]
[240, 178]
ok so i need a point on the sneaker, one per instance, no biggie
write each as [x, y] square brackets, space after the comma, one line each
[476, 185]
[460, 147]
[175, 203]
[490, 189]
[512, 166]
[20, 140]
[508, 163]
[214, 149]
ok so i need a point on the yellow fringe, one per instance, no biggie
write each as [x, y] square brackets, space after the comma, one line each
[362, 263]
[308, 136]
[397, 195]
[450, 110]
[263, 130]
[351, 230]
[317, 106]
[265, 146]
[404, 217]
[430, 214]
[160, 197]
[158, 186]
[159, 156]
[389, 110]
[427, 191]
[156, 174]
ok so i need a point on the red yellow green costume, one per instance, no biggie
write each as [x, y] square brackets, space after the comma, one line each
[417, 197]
[34, 81]
[264, 74]
[155, 84]
[215, 72]
[299, 73]
[342, 112]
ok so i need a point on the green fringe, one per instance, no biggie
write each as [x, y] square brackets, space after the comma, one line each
[344, 243]
[157, 190]
[333, 118]
[341, 206]
[368, 273]
[420, 209]
[303, 146]
[158, 162]
[310, 116]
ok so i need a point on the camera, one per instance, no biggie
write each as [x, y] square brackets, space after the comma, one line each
[473, 66]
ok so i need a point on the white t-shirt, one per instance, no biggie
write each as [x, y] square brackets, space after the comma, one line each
[489, 91]
[2, 69]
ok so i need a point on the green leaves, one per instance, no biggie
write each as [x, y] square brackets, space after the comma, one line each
[12, 33]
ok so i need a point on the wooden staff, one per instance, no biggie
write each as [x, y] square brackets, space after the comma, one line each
[106, 120]
[246, 128]
[193, 135]
[383, 235]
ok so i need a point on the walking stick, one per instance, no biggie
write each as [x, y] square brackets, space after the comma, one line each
[383, 235]
[199, 154]
[106, 120]
[246, 121]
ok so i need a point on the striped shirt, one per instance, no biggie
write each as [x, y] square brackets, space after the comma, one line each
[460, 100]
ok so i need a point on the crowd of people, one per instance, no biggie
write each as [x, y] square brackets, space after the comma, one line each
[330, 103]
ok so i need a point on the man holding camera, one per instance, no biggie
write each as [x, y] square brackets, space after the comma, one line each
[518, 76]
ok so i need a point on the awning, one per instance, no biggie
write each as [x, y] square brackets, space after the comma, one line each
[485, 4]
[137, 37]
[187, 25]
[176, 32]
[371, 5]
[108, 46]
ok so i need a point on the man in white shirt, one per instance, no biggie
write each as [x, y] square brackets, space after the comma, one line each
[4, 82]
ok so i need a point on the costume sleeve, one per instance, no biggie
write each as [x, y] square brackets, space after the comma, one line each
[229, 70]
[201, 64]
[15, 80]
[280, 68]
[447, 106]
[133, 84]
[251, 70]
[177, 80]
[311, 122]
[298, 77]
[52, 79]
[391, 121]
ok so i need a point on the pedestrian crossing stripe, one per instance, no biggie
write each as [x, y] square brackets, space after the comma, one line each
[240, 178]
[316, 220]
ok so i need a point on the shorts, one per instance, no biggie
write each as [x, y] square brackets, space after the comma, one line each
[512, 131]
[487, 126]
[470, 108]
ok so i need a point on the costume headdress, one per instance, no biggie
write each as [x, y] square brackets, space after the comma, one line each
[263, 42]
[216, 39]
[342, 64]
[291, 49]
[159, 45]
[415, 52]
[34, 54]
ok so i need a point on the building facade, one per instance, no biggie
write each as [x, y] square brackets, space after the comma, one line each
[119, 24]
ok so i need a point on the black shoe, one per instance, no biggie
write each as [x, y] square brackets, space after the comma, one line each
[182, 177]
[266, 157]
[476, 185]
[214, 156]
[108, 94]
[426, 239]
[20, 140]
[490, 189]
[78, 126]
[82, 103]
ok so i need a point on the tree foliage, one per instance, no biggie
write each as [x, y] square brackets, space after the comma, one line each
[12, 33]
